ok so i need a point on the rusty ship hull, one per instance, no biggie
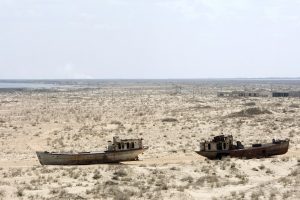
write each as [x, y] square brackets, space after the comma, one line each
[87, 158]
[265, 150]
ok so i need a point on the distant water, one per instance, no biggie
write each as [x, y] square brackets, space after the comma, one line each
[75, 83]
[20, 85]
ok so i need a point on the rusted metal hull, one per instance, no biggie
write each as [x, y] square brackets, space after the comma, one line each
[266, 150]
[87, 158]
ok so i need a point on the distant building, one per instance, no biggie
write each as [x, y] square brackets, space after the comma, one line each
[280, 94]
[286, 94]
[258, 94]
[294, 94]
[241, 94]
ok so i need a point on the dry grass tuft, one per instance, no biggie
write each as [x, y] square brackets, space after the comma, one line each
[257, 194]
[20, 192]
[295, 106]
[96, 175]
[250, 104]
[250, 112]
[2, 193]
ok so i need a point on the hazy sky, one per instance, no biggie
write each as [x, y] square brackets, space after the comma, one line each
[149, 38]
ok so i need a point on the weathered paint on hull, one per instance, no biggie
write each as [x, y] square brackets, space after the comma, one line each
[265, 150]
[88, 158]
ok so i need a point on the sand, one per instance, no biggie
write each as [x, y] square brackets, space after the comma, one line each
[84, 119]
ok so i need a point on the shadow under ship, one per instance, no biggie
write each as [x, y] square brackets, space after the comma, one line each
[223, 145]
[117, 151]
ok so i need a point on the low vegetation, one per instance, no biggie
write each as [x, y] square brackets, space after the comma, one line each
[169, 120]
[250, 112]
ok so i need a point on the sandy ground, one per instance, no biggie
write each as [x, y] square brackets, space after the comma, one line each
[85, 119]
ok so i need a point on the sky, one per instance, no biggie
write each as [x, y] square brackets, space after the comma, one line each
[142, 39]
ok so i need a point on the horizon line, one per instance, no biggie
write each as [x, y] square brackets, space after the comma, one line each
[208, 78]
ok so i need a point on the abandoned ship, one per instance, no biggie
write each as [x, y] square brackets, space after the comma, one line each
[223, 146]
[117, 151]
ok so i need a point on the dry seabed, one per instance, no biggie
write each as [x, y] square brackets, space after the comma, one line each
[171, 122]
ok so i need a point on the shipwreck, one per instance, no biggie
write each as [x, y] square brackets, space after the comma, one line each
[223, 145]
[117, 151]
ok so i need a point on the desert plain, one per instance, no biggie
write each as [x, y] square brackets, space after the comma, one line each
[171, 116]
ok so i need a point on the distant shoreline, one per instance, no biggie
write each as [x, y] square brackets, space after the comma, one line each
[146, 79]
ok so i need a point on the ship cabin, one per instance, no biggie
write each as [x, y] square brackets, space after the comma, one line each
[122, 145]
[219, 143]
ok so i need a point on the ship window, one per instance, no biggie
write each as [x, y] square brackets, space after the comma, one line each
[208, 147]
[119, 145]
[224, 145]
[127, 145]
[132, 145]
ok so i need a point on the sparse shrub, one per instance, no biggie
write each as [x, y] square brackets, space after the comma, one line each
[161, 185]
[249, 112]
[126, 179]
[73, 173]
[95, 190]
[116, 122]
[287, 194]
[232, 166]
[243, 179]
[284, 158]
[54, 191]
[120, 173]
[16, 172]
[117, 194]
[174, 168]
[20, 192]
[151, 181]
[2, 193]
[272, 195]
[45, 170]
[233, 194]
[4, 183]
[131, 193]
[291, 133]
[189, 179]
[96, 175]
[294, 106]
[269, 171]
[286, 181]
[255, 195]
[295, 172]
[205, 169]
[250, 104]
[210, 179]
[97, 118]
[63, 193]
[242, 195]
[261, 167]
[181, 188]
[169, 120]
